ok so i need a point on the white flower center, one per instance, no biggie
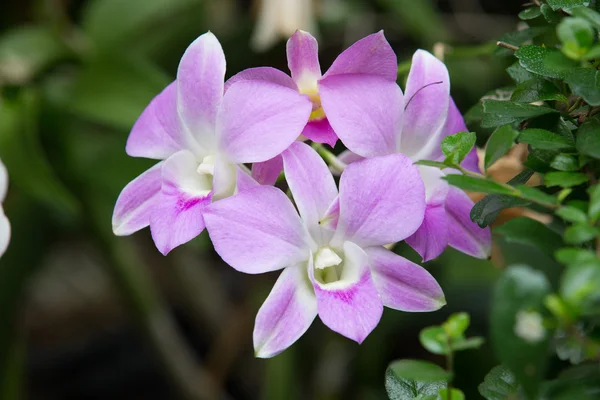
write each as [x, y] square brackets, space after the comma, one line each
[207, 166]
[327, 264]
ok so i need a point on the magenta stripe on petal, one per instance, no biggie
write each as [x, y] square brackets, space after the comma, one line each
[320, 131]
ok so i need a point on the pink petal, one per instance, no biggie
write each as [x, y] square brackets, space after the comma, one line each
[266, 74]
[312, 186]
[286, 314]
[364, 110]
[348, 157]
[4, 232]
[382, 200]
[158, 132]
[267, 172]
[465, 235]
[136, 201]
[351, 306]
[402, 284]
[177, 216]
[426, 100]
[303, 58]
[258, 120]
[371, 55]
[320, 131]
[200, 81]
[3, 181]
[257, 230]
[332, 216]
[431, 238]
[245, 181]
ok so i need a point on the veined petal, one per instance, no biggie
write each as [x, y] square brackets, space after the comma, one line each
[4, 231]
[402, 284]
[371, 55]
[177, 216]
[382, 200]
[257, 230]
[200, 83]
[267, 172]
[431, 238]
[426, 102]
[351, 306]
[365, 112]
[158, 132]
[258, 120]
[320, 131]
[303, 60]
[136, 201]
[312, 186]
[286, 314]
[266, 74]
[464, 234]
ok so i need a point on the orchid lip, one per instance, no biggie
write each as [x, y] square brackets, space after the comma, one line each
[328, 265]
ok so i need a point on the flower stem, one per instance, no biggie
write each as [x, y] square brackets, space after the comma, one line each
[329, 157]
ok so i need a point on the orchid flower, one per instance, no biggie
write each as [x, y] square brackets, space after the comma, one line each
[202, 137]
[414, 124]
[4, 223]
[370, 63]
[332, 255]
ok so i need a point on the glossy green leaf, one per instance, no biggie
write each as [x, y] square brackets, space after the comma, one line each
[421, 371]
[517, 38]
[468, 343]
[530, 13]
[400, 385]
[571, 214]
[594, 209]
[579, 284]
[435, 340]
[567, 4]
[456, 147]
[457, 324]
[456, 394]
[477, 185]
[585, 82]
[505, 112]
[565, 162]
[588, 138]
[589, 14]
[580, 233]
[519, 74]
[429, 163]
[549, 14]
[593, 53]
[499, 384]
[544, 61]
[537, 90]
[527, 231]
[575, 255]
[576, 35]
[499, 143]
[536, 195]
[520, 289]
[543, 139]
[564, 179]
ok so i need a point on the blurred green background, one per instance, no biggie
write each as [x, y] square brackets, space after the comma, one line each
[86, 315]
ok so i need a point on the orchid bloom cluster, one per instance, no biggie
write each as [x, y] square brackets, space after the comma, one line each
[328, 240]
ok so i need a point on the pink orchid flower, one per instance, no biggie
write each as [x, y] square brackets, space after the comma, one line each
[332, 255]
[4, 223]
[370, 61]
[203, 137]
[413, 124]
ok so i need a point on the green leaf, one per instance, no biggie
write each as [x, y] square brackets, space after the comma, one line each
[585, 82]
[575, 255]
[435, 340]
[543, 139]
[457, 324]
[506, 112]
[565, 162]
[579, 284]
[567, 4]
[477, 184]
[536, 195]
[499, 384]
[580, 233]
[530, 232]
[530, 13]
[401, 387]
[564, 179]
[499, 143]
[588, 138]
[517, 38]
[550, 15]
[593, 53]
[587, 13]
[520, 290]
[544, 61]
[466, 344]
[485, 211]
[594, 210]
[537, 90]
[456, 394]
[418, 370]
[571, 214]
[519, 74]
[429, 163]
[456, 147]
[576, 35]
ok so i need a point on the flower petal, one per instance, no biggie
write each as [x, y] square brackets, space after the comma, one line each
[364, 110]
[465, 235]
[224, 179]
[258, 120]
[286, 314]
[331, 218]
[303, 59]
[403, 285]
[267, 172]
[426, 100]
[350, 306]
[158, 132]
[320, 131]
[200, 81]
[4, 232]
[371, 55]
[266, 74]
[312, 186]
[257, 231]
[136, 201]
[431, 238]
[244, 180]
[3, 181]
[382, 200]
[177, 216]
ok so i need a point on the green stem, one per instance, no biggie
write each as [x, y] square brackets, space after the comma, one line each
[450, 367]
[575, 105]
[329, 157]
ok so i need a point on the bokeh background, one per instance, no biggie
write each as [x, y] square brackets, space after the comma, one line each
[86, 315]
